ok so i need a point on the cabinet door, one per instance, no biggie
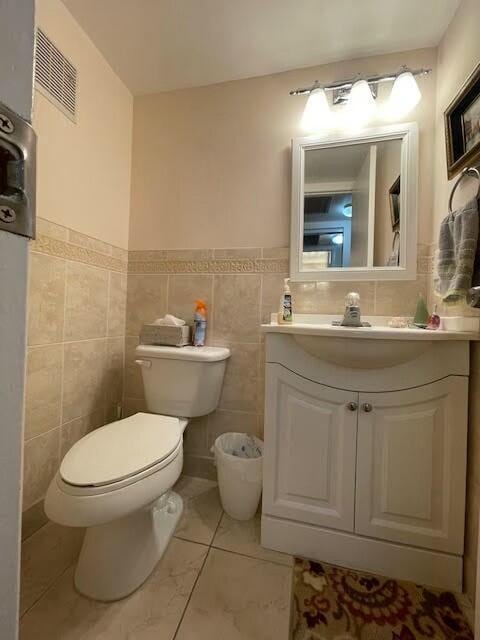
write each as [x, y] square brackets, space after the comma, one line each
[411, 465]
[310, 441]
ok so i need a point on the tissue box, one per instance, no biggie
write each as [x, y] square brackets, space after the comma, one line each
[460, 323]
[163, 335]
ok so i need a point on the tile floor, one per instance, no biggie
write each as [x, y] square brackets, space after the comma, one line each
[214, 581]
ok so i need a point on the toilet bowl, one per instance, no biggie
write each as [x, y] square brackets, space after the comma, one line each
[117, 480]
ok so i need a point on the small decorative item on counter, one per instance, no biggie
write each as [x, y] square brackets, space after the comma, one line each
[422, 316]
[200, 324]
[434, 321]
[398, 323]
[285, 314]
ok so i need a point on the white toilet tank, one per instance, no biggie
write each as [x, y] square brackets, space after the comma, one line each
[182, 381]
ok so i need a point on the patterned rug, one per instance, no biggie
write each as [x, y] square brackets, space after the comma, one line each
[333, 603]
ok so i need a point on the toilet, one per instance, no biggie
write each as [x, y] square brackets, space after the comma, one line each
[117, 480]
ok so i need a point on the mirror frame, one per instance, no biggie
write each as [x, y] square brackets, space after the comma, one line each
[407, 270]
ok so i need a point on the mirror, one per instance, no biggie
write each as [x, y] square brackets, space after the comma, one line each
[354, 206]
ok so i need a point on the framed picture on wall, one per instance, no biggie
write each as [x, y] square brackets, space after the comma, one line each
[462, 126]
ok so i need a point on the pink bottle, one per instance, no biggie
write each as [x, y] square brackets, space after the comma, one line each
[434, 320]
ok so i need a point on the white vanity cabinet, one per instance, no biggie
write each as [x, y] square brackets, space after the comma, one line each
[411, 462]
[367, 467]
[311, 436]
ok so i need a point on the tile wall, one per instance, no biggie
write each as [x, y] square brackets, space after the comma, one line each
[87, 303]
[74, 382]
[242, 287]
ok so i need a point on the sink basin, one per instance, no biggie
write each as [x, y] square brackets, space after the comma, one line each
[361, 354]
[375, 347]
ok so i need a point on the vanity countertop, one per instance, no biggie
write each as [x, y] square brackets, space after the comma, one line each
[321, 325]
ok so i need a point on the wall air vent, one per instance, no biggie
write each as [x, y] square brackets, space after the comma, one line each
[55, 76]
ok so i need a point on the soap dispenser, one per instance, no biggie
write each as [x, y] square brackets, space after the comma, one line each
[285, 313]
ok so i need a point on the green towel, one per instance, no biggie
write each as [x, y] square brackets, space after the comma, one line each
[457, 251]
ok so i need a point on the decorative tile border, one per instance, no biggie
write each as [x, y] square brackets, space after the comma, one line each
[166, 255]
[189, 255]
[172, 261]
[62, 249]
[231, 261]
[233, 266]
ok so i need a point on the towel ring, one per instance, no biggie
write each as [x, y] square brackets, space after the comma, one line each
[468, 171]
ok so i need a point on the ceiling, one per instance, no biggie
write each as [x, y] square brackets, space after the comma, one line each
[337, 163]
[159, 45]
[344, 163]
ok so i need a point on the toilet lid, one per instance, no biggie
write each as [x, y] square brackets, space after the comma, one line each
[121, 449]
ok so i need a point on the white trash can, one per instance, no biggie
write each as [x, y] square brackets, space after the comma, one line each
[239, 460]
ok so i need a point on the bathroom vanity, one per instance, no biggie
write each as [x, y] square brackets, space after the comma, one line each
[366, 447]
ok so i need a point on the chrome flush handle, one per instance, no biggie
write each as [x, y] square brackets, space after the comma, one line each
[144, 363]
[352, 406]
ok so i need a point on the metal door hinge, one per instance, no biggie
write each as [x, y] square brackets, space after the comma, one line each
[17, 174]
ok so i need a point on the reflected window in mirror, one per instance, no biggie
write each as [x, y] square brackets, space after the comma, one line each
[327, 229]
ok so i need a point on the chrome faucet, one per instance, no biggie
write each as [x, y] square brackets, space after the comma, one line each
[351, 316]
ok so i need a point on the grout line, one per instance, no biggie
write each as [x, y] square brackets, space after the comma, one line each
[212, 307]
[260, 302]
[109, 287]
[108, 362]
[167, 294]
[190, 595]
[40, 435]
[63, 424]
[55, 344]
[48, 589]
[24, 539]
[202, 544]
[246, 555]
[217, 527]
[62, 377]
[198, 576]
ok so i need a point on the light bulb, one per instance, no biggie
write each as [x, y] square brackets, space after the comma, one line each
[317, 115]
[347, 210]
[352, 299]
[405, 95]
[361, 103]
[338, 239]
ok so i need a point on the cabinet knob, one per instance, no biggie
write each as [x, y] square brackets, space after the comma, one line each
[352, 406]
[367, 407]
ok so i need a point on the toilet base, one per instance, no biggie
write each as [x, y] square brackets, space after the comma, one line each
[117, 557]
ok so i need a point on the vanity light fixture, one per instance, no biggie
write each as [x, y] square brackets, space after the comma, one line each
[405, 95]
[361, 103]
[318, 115]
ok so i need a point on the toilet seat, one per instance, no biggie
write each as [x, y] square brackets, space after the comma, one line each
[121, 452]
[104, 489]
